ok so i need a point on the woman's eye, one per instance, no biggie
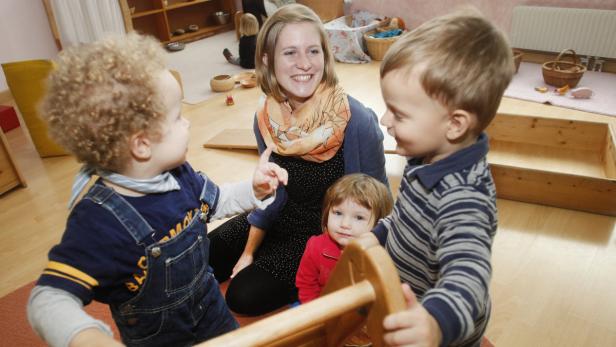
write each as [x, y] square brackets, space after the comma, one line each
[315, 51]
[289, 53]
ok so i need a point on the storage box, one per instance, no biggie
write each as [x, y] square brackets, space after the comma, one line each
[8, 118]
[556, 162]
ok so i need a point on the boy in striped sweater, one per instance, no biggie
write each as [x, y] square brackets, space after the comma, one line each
[442, 84]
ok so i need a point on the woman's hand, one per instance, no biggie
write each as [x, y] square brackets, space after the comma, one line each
[245, 260]
[267, 176]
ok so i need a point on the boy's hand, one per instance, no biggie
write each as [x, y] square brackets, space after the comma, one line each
[93, 337]
[413, 326]
[267, 176]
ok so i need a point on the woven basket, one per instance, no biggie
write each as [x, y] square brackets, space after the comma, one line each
[377, 47]
[517, 59]
[559, 73]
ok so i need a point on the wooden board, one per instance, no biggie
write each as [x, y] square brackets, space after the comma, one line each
[245, 139]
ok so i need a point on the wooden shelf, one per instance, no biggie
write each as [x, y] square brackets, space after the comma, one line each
[160, 18]
[555, 162]
[145, 13]
[184, 4]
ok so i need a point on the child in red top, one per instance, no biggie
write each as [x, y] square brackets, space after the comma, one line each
[351, 207]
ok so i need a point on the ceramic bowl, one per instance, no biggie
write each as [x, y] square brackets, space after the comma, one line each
[249, 82]
[222, 83]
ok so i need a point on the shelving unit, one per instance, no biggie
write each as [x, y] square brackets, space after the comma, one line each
[160, 18]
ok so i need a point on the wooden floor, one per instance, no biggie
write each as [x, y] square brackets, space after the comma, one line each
[554, 278]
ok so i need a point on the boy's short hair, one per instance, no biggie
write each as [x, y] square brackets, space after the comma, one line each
[266, 44]
[466, 62]
[102, 93]
[365, 190]
[249, 25]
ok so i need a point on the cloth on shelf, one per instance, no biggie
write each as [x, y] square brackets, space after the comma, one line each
[347, 42]
[602, 101]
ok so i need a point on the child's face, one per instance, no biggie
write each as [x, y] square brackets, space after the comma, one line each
[299, 61]
[348, 220]
[416, 121]
[170, 151]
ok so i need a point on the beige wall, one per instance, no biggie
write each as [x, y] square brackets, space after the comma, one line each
[415, 12]
[24, 33]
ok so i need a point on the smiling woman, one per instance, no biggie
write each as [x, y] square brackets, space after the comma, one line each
[315, 129]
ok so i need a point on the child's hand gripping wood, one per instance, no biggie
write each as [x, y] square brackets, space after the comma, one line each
[267, 176]
[414, 326]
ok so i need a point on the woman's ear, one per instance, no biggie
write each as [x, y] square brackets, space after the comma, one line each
[264, 59]
[140, 146]
[460, 123]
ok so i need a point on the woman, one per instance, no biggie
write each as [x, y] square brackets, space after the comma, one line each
[319, 134]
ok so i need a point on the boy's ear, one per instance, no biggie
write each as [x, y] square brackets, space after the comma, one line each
[461, 122]
[140, 146]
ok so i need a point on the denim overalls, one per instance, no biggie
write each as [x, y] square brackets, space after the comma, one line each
[179, 304]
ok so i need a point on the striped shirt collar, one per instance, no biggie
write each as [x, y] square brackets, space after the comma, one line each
[430, 174]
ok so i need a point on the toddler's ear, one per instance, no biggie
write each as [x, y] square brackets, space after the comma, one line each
[140, 146]
[460, 123]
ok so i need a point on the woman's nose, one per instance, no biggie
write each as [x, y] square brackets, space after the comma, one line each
[303, 62]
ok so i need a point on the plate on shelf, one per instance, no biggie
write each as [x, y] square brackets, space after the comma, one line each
[175, 46]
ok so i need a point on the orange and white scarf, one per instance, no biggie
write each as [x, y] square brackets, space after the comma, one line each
[314, 131]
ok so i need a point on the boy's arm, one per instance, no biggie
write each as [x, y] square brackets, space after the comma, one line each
[307, 278]
[461, 296]
[58, 317]
[246, 196]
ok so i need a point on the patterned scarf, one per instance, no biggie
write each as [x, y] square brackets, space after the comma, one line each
[314, 131]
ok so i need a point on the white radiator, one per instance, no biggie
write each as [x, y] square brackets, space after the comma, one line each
[552, 29]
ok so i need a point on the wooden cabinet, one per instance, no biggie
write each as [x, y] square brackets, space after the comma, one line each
[10, 176]
[160, 18]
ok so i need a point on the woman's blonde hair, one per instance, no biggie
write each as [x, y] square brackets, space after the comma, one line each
[266, 45]
[466, 62]
[363, 190]
[100, 94]
[249, 25]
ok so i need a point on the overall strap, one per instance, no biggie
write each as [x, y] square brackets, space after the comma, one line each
[124, 212]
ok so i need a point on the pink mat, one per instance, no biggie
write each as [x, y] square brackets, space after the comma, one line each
[603, 84]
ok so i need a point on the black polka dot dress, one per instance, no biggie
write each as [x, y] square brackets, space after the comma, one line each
[284, 243]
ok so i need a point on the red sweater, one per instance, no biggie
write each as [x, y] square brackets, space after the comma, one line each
[318, 261]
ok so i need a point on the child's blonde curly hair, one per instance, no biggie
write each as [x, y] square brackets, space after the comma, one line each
[100, 94]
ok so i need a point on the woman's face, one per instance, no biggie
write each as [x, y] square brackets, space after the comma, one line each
[299, 61]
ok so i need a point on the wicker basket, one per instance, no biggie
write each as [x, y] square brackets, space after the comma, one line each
[559, 73]
[517, 59]
[377, 47]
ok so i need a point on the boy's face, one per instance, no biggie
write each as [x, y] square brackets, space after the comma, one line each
[416, 121]
[170, 151]
[299, 61]
[347, 220]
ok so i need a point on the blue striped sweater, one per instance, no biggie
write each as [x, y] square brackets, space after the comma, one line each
[440, 238]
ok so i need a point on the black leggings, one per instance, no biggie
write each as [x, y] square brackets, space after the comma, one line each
[253, 291]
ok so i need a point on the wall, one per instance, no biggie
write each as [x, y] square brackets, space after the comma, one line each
[415, 12]
[24, 33]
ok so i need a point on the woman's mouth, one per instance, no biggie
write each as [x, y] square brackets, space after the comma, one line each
[301, 78]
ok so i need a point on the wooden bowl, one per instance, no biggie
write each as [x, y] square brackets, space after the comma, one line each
[249, 82]
[244, 75]
[222, 83]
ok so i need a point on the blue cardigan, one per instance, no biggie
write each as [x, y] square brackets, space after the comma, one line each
[363, 152]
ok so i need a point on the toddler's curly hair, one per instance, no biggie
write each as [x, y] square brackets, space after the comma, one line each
[100, 94]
